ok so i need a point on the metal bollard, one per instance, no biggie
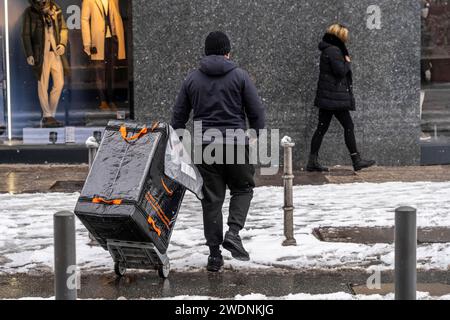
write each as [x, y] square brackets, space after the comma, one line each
[405, 253]
[65, 256]
[92, 154]
[288, 181]
[92, 145]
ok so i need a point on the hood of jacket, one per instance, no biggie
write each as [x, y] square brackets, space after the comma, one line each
[324, 45]
[216, 65]
[330, 40]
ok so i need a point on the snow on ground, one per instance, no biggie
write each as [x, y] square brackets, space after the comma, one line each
[293, 297]
[307, 296]
[26, 235]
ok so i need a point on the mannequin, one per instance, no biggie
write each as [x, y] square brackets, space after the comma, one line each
[104, 42]
[45, 37]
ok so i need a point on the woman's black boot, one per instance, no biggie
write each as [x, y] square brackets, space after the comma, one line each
[314, 165]
[359, 164]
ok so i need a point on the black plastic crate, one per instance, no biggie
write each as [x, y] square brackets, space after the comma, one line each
[127, 196]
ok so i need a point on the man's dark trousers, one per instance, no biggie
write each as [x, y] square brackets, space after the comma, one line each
[239, 178]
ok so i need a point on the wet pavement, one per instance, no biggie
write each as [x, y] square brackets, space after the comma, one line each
[221, 285]
[70, 178]
[42, 178]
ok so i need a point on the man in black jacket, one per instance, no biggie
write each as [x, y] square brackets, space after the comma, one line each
[223, 97]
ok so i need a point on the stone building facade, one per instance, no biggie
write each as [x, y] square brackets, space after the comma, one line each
[276, 41]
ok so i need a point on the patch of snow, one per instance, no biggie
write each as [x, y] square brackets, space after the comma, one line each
[286, 140]
[293, 297]
[307, 296]
[26, 229]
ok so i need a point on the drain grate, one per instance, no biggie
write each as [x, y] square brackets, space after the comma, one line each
[373, 235]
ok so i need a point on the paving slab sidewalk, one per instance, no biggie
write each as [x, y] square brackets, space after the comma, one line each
[69, 178]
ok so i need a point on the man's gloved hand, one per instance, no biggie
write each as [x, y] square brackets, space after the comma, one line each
[60, 49]
[252, 137]
[87, 50]
[30, 60]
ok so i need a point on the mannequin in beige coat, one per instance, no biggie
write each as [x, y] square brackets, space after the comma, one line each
[104, 42]
[93, 27]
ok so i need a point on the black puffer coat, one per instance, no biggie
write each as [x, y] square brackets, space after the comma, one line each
[335, 88]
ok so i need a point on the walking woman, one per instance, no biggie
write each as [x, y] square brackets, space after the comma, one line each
[335, 97]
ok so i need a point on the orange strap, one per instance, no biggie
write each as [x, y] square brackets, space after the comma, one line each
[144, 131]
[157, 209]
[169, 192]
[164, 217]
[123, 131]
[152, 222]
[101, 200]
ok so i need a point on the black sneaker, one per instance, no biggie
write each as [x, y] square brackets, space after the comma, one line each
[214, 264]
[233, 243]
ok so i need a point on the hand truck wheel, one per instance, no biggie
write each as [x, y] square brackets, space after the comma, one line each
[163, 271]
[119, 269]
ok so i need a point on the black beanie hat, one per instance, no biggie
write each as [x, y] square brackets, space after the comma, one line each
[217, 43]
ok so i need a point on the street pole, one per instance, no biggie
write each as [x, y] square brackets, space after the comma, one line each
[288, 181]
[92, 153]
[405, 253]
[92, 145]
[65, 256]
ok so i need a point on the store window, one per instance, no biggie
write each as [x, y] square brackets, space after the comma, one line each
[65, 65]
[435, 70]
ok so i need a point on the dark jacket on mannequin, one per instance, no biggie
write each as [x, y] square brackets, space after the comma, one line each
[33, 35]
[335, 87]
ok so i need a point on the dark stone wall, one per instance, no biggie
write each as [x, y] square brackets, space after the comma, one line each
[276, 41]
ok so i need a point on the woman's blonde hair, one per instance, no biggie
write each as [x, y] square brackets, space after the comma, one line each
[339, 31]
